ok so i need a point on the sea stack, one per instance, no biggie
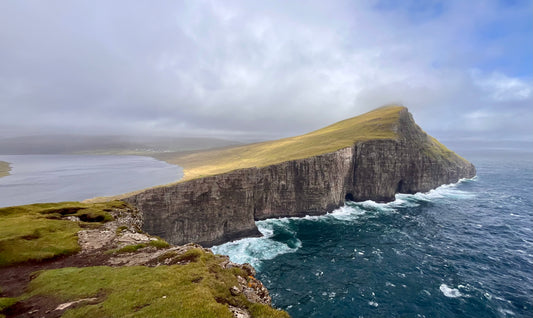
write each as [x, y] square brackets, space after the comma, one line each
[369, 157]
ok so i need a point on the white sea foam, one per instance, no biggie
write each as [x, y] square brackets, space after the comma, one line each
[256, 249]
[373, 303]
[447, 191]
[450, 292]
[346, 213]
[444, 192]
[372, 205]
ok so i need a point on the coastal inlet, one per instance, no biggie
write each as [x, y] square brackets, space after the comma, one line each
[52, 178]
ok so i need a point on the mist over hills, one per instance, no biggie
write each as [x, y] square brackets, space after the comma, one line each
[80, 144]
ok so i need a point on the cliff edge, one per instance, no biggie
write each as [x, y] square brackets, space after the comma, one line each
[368, 157]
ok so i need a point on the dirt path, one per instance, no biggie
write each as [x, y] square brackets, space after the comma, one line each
[15, 279]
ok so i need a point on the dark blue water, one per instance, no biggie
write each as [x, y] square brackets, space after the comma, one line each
[464, 250]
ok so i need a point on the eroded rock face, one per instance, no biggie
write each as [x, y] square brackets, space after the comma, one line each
[220, 208]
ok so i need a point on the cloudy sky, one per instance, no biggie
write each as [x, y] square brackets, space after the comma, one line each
[264, 69]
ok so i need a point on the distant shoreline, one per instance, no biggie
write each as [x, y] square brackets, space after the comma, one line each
[5, 168]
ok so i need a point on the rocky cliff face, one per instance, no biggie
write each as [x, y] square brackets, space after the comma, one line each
[219, 208]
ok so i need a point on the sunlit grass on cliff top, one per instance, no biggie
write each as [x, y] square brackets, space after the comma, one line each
[381, 123]
[377, 124]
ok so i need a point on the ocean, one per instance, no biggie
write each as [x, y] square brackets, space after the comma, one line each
[461, 250]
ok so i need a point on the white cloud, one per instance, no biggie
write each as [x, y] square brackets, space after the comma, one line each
[501, 88]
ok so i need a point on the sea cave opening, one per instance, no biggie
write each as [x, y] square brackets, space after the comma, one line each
[349, 197]
[400, 187]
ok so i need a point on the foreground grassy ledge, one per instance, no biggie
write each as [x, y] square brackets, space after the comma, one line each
[187, 281]
[42, 231]
[4, 169]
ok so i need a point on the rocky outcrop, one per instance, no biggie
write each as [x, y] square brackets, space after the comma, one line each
[216, 209]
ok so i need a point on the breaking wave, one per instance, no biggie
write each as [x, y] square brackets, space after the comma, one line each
[279, 237]
[450, 292]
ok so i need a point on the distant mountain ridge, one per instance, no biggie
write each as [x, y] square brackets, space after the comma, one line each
[80, 144]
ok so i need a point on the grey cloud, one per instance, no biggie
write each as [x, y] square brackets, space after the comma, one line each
[263, 69]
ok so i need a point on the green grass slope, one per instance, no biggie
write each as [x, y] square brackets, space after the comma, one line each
[40, 231]
[200, 288]
[377, 124]
[195, 286]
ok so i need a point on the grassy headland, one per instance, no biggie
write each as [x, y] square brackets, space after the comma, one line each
[381, 123]
[4, 169]
[42, 271]
[377, 124]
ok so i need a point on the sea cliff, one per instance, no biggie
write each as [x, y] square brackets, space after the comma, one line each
[374, 156]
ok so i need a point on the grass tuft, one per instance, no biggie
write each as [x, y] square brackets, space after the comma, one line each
[192, 255]
[121, 229]
[130, 248]
[261, 310]
[167, 255]
[6, 302]
[159, 244]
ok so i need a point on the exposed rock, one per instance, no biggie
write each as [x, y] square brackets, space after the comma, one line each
[72, 218]
[239, 312]
[256, 292]
[91, 240]
[249, 269]
[224, 207]
[234, 290]
[66, 305]
[123, 230]
[129, 238]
